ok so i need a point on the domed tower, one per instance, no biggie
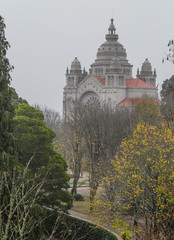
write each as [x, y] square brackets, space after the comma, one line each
[146, 74]
[116, 74]
[109, 50]
[75, 75]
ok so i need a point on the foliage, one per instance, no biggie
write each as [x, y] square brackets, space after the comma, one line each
[147, 110]
[54, 192]
[79, 229]
[16, 99]
[52, 119]
[71, 143]
[167, 92]
[35, 141]
[90, 137]
[20, 216]
[167, 95]
[126, 235]
[103, 131]
[78, 197]
[6, 108]
[143, 174]
[33, 136]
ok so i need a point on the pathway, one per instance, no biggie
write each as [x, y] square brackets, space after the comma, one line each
[87, 218]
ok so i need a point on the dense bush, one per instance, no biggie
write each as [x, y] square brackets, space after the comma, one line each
[78, 197]
[72, 228]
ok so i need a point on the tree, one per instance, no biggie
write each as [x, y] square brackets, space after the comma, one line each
[7, 145]
[20, 216]
[167, 96]
[6, 108]
[103, 130]
[75, 133]
[18, 220]
[94, 135]
[167, 92]
[170, 55]
[23, 218]
[147, 110]
[16, 99]
[52, 119]
[71, 142]
[143, 174]
[35, 141]
[34, 138]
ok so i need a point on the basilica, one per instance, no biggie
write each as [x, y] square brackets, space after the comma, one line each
[109, 80]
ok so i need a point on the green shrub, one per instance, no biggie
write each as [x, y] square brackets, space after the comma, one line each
[73, 228]
[78, 197]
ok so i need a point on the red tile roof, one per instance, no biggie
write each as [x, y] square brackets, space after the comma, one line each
[133, 101]
[136, 82]
[101, 80]
[129, 101]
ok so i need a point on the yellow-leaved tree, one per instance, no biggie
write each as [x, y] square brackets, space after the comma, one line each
[141, 183]
[147, 110]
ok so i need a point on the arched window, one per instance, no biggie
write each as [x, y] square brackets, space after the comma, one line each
[121, 80]
[109, 80]
[71, 81]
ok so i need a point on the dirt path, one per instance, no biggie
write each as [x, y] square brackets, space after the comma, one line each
[87, 218]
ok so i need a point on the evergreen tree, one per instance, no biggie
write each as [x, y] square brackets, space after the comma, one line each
[16, 99]
[35, 141]
[167, 96]
[6, 108]
[20, 215]
[167, 92]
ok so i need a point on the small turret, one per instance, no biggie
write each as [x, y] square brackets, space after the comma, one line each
[146, 67]
[76, 66]
[146, 73]
[75, 75]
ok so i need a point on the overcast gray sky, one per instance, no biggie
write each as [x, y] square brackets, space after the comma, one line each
[46, 35]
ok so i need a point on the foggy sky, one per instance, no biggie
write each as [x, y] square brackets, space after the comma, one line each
[46, 35]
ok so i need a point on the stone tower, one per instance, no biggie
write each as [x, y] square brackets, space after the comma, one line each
[75, 75]
[146, 74]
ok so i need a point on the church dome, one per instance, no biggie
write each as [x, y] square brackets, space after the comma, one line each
[146, 66]
[110, 49]
[115, 63]
[75, 65]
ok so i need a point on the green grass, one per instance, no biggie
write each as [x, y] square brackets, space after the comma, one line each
[82, 206]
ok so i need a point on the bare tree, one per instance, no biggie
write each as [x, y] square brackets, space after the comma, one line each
[103, 130]
[170, 55]
[16, 220]
[73, 129]
[21, 217]
[52, 119]
[94, 133]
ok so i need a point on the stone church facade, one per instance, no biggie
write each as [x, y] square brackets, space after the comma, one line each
[109, 80]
